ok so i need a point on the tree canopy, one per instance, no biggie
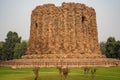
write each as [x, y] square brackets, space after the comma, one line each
[111, 48]
[9, 45]
[20, 49]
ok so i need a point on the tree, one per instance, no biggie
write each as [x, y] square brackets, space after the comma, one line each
[20, 49]
[117, 49]
[110, 47]
[1, 50]
[10, 42]
[103, 47]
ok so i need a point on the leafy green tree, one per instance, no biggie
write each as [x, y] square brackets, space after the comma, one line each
[20, 49]
[10, 42]
[103, 47]
[117, 49]
[1, 50]
[110, 47]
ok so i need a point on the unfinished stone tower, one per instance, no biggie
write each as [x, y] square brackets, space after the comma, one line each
[69, 30]
[64, 36]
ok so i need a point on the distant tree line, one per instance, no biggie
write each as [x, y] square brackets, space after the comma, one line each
[111, 48]
[13, 47]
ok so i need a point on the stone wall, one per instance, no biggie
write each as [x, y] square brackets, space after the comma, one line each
[67, 29]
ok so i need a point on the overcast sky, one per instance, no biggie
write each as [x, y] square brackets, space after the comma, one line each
[15, 16]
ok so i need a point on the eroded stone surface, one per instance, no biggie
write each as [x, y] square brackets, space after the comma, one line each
[70, 30]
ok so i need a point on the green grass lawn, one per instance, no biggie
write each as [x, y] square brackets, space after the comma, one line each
[112, 73]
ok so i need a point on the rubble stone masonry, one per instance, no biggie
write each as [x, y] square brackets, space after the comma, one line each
[69, 29]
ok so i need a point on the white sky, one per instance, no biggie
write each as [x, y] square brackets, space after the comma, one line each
[15, 16]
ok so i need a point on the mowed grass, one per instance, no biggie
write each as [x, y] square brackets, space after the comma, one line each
[112, 73]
